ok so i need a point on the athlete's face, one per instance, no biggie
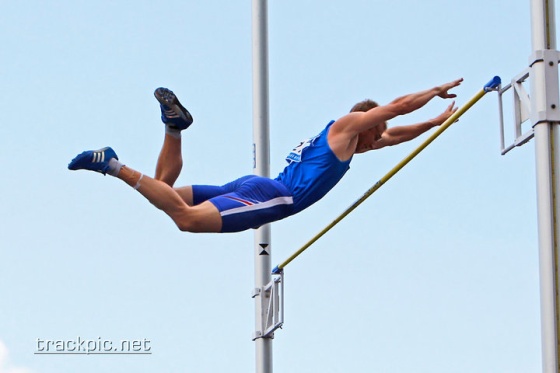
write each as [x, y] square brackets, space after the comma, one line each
[368, 138]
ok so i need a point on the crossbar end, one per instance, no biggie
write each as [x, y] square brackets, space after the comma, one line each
[493, 84]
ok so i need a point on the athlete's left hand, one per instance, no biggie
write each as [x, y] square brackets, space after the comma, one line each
[440, 119]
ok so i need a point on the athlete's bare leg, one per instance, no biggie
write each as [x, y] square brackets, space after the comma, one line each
[170, 160]
[201, 218]
[159, 191]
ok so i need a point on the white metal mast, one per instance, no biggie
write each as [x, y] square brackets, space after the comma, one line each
[545, 117]
[261, 141]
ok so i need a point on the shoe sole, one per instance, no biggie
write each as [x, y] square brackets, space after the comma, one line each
[167, 97]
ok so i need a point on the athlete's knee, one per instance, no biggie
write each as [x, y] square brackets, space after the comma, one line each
[183, 227]
[186, 225]
[197, 224]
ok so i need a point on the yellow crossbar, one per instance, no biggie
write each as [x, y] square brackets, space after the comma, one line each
[492, 85]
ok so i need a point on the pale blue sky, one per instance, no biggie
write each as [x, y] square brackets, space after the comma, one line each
[437, 272]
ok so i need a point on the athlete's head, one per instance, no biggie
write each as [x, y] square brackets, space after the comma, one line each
[368, 137]
[364, 105]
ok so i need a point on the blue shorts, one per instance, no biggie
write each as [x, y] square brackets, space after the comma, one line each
[248, 202]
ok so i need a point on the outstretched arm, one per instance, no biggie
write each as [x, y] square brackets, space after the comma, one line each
[355, 123]
[400, 134]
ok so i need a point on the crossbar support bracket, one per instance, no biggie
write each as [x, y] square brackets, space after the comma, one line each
[526, 109]
[272, 300]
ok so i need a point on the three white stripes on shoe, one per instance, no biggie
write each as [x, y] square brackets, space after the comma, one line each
[98, 156]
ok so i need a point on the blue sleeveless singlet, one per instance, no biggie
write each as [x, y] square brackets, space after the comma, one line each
[252, 201]
[312, 171]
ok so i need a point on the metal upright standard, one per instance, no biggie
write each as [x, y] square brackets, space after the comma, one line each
[545, 117]
[263, 340]
[542, 109]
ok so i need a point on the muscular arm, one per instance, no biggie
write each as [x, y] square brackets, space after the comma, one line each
[345, 132]
[354, 123]
[400, 134]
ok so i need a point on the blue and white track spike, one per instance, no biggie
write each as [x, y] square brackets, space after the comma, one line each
[173, 113]
[93, 160]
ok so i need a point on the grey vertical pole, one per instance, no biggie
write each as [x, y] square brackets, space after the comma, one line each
[544, 112]
[263, 346]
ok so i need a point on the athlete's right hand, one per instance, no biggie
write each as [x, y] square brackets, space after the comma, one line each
[446, 87]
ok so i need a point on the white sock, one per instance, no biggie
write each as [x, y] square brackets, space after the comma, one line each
[176, 133]
[114, 167]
